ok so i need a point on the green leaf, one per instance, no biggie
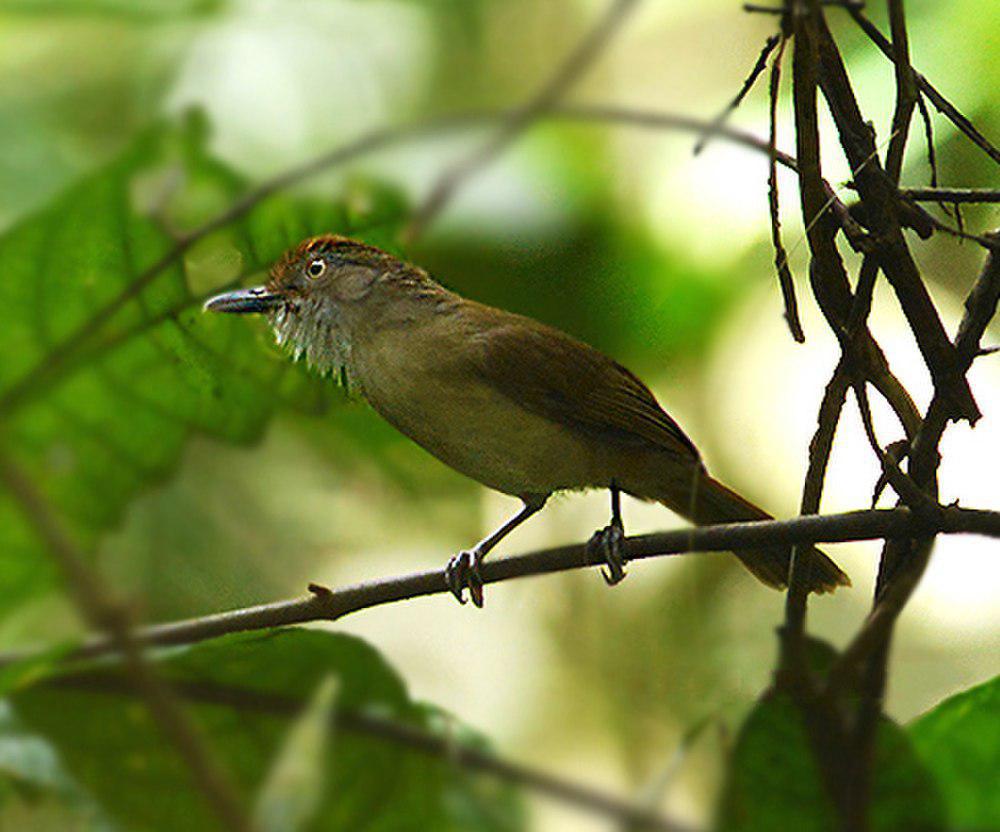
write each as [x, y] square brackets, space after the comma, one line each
[292, 790]
[136, 10]
[774, 783]
[108, 366]
[245, 691]
[959, 742]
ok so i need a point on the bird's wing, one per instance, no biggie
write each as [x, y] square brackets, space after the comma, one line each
[551, 374]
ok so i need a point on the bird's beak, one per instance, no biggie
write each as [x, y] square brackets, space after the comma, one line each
[245, 301]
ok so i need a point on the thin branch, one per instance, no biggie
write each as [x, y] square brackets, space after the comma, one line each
[906, 91]
[943, 106]
[759, 8]
[925, 117]
[105, 613]
[826, 271]
[748, 83]
[402, 734]
[328, 605]
[785, 280]
[66, 352]
[907, 490]
[953, 195]
[565, 76]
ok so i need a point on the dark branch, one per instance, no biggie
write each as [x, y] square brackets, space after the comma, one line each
[899, 583]
[748, 83]
[953, 195]
[328, 605]
[785, 280]
[943, 106]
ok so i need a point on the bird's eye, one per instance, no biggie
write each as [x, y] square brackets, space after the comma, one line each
[316, 268]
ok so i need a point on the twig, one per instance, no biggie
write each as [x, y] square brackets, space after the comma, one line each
[925, 117]
[953, 195]
[905, 488]
[943, 106]
[400, 734]
[333, 604]
[756, 8]
[574, 66]
[826, 269]
[104, 613]
[785, 280]
[748, 83]
[906, 91]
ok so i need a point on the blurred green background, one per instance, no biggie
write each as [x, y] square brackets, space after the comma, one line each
[622, 237]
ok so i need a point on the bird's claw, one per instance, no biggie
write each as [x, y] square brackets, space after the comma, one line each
[608, 543]
[461, 573]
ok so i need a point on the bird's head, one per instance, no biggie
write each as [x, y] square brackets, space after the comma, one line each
[316, 294]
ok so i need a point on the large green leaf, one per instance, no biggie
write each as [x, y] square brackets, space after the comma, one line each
[109, 367]
[959, 742]
[246, 691]
[773, 781]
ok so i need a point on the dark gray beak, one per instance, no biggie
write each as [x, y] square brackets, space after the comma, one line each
[245, 301]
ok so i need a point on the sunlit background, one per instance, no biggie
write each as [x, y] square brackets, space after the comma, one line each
[620, 236]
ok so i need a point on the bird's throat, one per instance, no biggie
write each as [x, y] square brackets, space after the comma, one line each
[312, 329]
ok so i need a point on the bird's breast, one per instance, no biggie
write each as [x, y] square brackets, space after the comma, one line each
[419, 382]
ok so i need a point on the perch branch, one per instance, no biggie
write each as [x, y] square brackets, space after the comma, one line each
[330, 605]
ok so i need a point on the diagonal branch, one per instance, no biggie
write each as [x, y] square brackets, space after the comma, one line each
[565, 76]
[881, 201]
[65, 354]
[943, 106]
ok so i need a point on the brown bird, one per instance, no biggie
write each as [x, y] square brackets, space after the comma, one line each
[512, 403]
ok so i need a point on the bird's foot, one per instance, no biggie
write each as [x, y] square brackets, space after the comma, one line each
[461, 573]
[609, 544]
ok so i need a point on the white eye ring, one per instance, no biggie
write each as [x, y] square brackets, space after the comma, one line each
[316, 268]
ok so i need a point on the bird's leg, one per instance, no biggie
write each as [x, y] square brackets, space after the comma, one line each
[609, 541]
[462, 570]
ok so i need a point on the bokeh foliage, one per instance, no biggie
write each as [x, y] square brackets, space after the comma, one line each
[109, 180]
[245, 691]
[107, 377]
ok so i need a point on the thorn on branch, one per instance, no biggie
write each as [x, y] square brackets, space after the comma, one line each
[319, 590]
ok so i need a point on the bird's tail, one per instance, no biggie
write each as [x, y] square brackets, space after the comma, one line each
[709, 501]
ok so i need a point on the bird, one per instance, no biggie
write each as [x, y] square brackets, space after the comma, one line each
[515, 404]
